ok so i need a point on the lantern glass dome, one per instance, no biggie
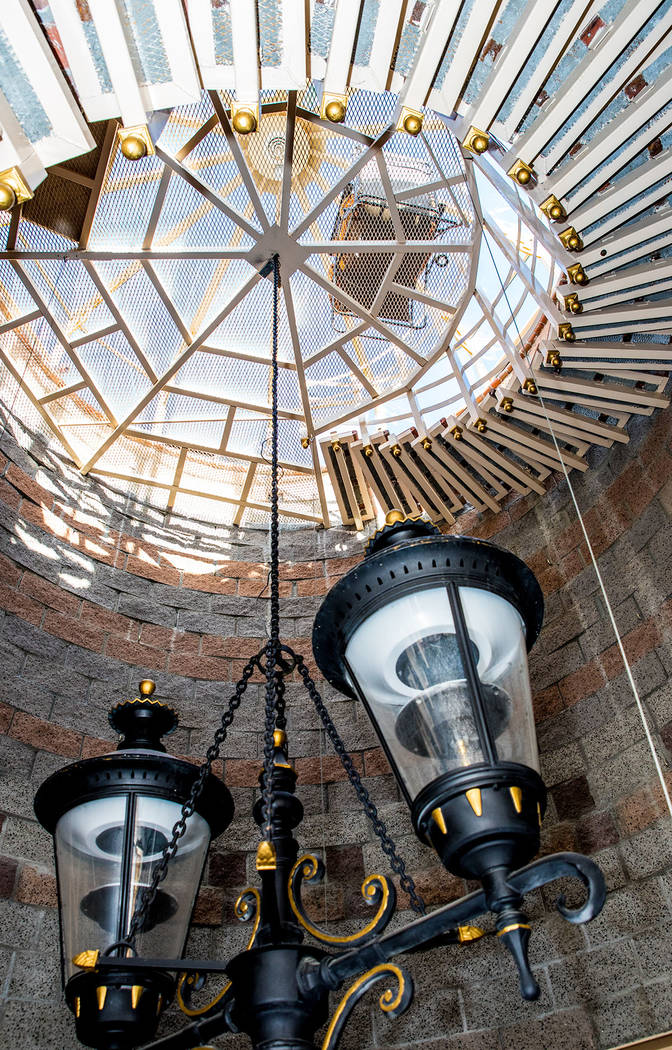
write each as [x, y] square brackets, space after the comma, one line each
[406, 660]
[106, 852]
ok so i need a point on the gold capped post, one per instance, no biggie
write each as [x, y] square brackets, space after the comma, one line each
[522, 173]
[393, 516]
[476, 141]
[577, 274]
[333, 108]
[135, 142]
[7, 197]
[506, 404]
[13, 189]
[571, 240]
[529, 386]
[566, 332]
[244, 120]
[554, 209]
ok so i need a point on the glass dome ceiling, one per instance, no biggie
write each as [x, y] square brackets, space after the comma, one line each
[150, 355]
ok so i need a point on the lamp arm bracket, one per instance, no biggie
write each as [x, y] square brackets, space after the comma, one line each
[377, 891]
[335, 969]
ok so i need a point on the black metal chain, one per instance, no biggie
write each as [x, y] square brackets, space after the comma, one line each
[273, 643]
[148, 895]
[380, 829]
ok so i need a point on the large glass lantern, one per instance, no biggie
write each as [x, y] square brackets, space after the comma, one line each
[111, 818]
[431, 633]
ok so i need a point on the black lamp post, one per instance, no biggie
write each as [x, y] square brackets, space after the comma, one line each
[431, 634]
[112, 818]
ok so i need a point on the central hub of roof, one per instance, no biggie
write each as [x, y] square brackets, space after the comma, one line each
[276, 242]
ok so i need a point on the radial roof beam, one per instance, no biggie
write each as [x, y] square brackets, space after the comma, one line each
[629, 283]
[245, 57]
[428, 55]
[510, 61]
[16, 151]
[610, 141]
[653, 316]
[375, 74]
[480, 17]
[130, 104]
[57, 129]
[636, 240]
[346, 18]
[576, 15]
[585, 77]
[631, 195]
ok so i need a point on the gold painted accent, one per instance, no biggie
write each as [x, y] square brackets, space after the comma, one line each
[475, 800]
[517, 796]
[514, 926]
[101, 995]
[305, 442]
[469, 933]
[529, 386]
[336, 446]
[333, 108]
[426, 444]
[410, 120]
[539, 813]
[396, 451]
[135, 142]
[368, 451]
[159, 1004]
[553, 359]
[573, 303]
[78, 1006]
[577, 274]
[266, 856]
[506, 404]
[440, 820]
[566, 332]
[521, 173]
[553, 208]
[476, 141]
[13, 188]
[387, 1001]
[457, 432]
[279, 738]
[571, 240]
[480, 425]
[245, 119]
[136, 992]
[147, 687]
[371, 885]
[87, 960]
[393, 516]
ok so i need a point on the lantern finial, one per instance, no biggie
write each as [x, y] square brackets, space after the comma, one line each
[143, 721]
[400, 528]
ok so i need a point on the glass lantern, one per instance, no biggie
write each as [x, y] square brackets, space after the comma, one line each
[111, 818]
[431, 633]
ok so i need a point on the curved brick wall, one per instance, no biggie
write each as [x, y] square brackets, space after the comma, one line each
[97, 591]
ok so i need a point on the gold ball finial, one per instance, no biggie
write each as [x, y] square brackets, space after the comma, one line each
[244, 122]
[147, 687]
[570, 335]
[133, 147]
[581, 278]
[393, 516]
[523, 176]
[576, 307]
[574, 242]
[556, 211]
[335, 111]
[412, 124]
[479, 143]
[7, 197]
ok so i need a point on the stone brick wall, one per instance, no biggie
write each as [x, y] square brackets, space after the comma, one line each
[97, 591]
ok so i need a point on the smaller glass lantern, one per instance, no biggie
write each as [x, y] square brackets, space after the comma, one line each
[111, 818]
[431, 633]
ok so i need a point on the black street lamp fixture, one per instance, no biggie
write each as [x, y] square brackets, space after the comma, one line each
[430, 633]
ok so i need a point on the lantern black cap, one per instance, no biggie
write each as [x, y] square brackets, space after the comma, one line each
[399, 528]
[143, 721]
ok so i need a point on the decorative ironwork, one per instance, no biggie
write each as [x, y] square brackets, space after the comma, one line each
[391, 1002]
[376, 890]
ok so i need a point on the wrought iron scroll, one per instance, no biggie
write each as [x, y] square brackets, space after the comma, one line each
[376, 891]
